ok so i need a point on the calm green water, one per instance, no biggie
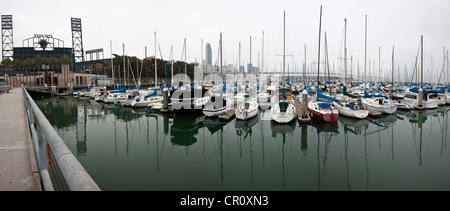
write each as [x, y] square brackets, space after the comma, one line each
[130, 149]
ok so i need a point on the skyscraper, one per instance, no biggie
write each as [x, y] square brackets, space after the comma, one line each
[208, 54]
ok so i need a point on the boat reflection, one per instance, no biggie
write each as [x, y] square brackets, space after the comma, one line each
[245, 127]
[328, 127]
[385, 119]
[353, 125]
[214, 124]
[185, 128]
[283, 129]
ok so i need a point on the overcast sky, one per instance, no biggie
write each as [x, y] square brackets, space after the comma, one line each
[398, 23]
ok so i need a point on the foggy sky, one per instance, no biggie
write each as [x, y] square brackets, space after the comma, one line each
[398, 23]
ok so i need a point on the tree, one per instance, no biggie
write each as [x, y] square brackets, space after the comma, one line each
[46, 62]
[6, 63]
[65, 60]
[38, 61]
[53, 61]
[17, 63]
[27, 64]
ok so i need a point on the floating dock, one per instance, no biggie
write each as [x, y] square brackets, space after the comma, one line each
[227, 115]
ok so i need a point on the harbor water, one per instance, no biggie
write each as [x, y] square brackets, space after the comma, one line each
[131, 149]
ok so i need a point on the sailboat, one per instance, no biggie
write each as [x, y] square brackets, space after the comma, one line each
[266, 89]
[146, 100]
[284, 110]
[376, 102]
[322, 110]
[218, 102]
[350, 108]
[247, 106]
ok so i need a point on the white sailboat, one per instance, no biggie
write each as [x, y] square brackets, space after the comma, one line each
[417, 97]
[349, 107]
[247, 109]
[323, 111]
[219, 102]
[374, 101]
[247, 106]
[146, 99]
[283, 111]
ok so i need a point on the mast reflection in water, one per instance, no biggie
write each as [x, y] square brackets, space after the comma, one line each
[129, 149]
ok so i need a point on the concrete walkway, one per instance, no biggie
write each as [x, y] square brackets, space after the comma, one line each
[18, 170]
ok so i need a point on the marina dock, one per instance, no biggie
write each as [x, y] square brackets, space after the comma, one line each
[227, 115]
[298, 107]
[18, 167]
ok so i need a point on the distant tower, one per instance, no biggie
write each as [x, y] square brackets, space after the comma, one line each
[7, 37]
[208, 54]
[77, 41]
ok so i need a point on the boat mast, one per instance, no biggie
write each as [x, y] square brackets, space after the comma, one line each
[146, 67]
[112, 63]
[262, 56]
[250, 71]
[447, 68]
[156, 69]
[327, 64]
[185, 60]
[318, 57]
[392, 77]
[379, 63]
[284, 43]
[239, 58]
[345, 52]
[365, 53]
[421, 61]
[221, 59]
[124, 72]
[171, 53]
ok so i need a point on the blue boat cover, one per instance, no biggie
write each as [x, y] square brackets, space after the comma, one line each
[367, 95]
[416, 90]
[122, 90]
[324, 105]
[320, 95]
[152, 94]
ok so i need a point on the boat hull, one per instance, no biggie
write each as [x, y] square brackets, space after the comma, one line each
[382, 108]
[327, 117]
[283, 117]
[324, 115]
[348, 112]
[246, 114]
[215, 112]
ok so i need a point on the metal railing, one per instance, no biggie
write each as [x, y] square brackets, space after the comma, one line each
[46, 141]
